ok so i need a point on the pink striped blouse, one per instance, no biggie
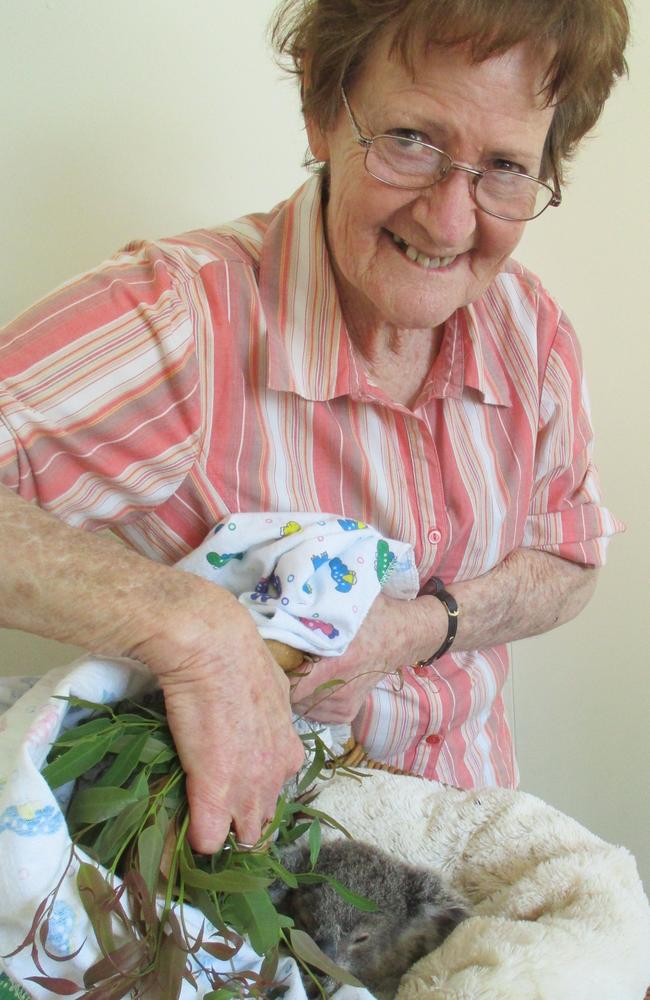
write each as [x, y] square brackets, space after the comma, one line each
[211, 373]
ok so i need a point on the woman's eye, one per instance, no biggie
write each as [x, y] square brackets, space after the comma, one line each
[513, 168]
[407, 135]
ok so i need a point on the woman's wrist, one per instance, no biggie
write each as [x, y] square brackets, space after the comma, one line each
[430, 627]
[436, 588]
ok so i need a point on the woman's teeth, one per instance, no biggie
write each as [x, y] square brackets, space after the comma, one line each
[420, 258]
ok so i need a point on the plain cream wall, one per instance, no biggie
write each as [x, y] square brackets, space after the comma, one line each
[147, 117]
[582, 694]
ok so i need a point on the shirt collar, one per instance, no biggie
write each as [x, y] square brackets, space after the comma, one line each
[309, 350]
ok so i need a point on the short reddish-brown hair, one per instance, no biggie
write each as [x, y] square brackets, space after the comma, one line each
[587, 40]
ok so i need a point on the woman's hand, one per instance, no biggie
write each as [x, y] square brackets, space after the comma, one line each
[528, 593]
[227, 700]
[389, 638]
[227, 703]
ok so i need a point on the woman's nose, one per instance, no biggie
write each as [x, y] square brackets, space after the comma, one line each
[447, 211]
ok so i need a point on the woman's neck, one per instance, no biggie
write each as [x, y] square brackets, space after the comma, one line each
[397, 361]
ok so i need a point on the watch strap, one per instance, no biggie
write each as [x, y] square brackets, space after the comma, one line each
[436, 588]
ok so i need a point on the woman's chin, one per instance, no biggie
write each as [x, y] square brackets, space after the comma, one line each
[414, 297]
[404, 313]
[395, 291]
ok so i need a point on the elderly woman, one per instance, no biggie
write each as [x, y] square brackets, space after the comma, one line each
[367, 348]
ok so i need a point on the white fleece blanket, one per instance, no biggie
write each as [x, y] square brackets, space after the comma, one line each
[559, 913]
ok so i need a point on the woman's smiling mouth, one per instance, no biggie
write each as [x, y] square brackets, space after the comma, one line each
[415, 255]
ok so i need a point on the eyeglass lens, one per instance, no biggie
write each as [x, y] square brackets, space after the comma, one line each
[409, 163]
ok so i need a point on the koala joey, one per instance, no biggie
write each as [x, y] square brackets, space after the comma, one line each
[416, 912]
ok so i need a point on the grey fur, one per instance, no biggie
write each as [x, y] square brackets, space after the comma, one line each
[416, 912]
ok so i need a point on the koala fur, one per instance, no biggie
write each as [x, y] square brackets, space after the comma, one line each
[416, 912]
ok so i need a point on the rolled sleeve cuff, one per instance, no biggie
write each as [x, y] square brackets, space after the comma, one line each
[580, 534]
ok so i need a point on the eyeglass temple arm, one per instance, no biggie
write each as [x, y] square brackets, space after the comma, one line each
[361, 139]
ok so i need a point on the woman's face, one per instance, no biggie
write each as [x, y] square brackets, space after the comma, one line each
[481, 114]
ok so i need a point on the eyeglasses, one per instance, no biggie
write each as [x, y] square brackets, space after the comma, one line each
[409, 163]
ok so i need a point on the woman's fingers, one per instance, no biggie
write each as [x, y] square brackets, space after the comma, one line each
[237, 762]
[228, 708]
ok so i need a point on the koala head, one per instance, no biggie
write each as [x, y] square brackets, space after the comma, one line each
[415, 913]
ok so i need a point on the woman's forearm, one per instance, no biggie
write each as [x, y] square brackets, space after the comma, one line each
[66, 584]
[530, 592]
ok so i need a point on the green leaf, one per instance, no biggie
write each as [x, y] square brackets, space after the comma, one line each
[278, 818]
[76, 760]
[282, 873]
[311, 878]
[270, 966]
[131, 720]
[118, 831]
[97, 897]
[150, 848]
[309, 952]
[93, 805]
[156, 749]
[231, 880]
[313, 770]
[83, 731]
[314, 841]
[319, 814]
[253, 914]
[94, 706]
[289, 836]
[125, 762]
[140, 785]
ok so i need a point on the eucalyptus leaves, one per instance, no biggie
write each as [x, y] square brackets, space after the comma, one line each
[129, 814]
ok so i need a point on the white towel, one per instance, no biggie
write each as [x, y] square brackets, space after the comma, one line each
[307, 579]
[34, 838]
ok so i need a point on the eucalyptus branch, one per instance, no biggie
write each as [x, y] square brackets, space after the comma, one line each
[129, 812]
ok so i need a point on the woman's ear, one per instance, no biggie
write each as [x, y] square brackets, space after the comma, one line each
[316, 137]
[318, 143]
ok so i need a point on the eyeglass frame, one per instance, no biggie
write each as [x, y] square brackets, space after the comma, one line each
[366, 143]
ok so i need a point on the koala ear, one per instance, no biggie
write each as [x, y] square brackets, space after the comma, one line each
[427, 888]
[428, 926]
[444, 916]
[435, 908]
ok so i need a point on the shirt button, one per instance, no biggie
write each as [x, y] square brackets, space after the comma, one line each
[434, 536]
[433, 739]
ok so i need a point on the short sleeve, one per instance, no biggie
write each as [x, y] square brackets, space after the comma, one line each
[99, 392]
[566, 516]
